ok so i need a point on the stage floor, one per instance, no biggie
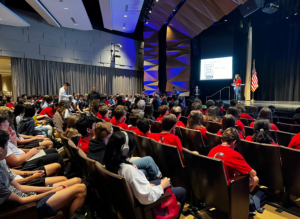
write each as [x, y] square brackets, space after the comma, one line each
[289, 106]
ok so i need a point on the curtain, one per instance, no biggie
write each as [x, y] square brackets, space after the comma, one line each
[46, 77]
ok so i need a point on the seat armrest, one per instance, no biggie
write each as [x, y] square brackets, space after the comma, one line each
[160, 200]
[239, 197]
[23, 211]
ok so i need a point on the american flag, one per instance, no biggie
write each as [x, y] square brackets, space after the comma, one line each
[254, 84]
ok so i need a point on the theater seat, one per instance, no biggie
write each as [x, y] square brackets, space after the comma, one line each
[192, 140]
[213, 127]
[213, 140]
[77, 160]
[244, 121]
[265, 160]
[144, 146]
[183, 119]
[156, 127]
[288, 127]
[116, 128]
[155, 114]
[286, 120]
[26, 211]
[284, 138]
[249, 131]
[58, 122]
[209, 184]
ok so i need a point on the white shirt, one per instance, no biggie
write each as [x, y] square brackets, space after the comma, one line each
[62, 95]
[12, 149]
[18, 119]
[139, 185]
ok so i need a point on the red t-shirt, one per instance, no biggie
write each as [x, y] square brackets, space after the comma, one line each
[222, 109]
[233, 161]
[204, 111]
[159, 119]
[106, 119]
[240, 134]
[10, 105]
[240, 125]
[180, 124]
[238, 82]
[99, 115]
[48, 111]
[201, 110]
[113, 120]
[246, 116]
[136, 130]
[154, 136]
[107, 102]
[295, 142]
[83, 144]
[249, 138]
[272, 126]
[120, 124]
[170, 139]
[203, 132]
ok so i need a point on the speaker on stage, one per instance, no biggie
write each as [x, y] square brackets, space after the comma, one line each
[195, 46]
[251, 6]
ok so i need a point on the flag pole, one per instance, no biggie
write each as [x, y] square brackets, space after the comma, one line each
[252, 101]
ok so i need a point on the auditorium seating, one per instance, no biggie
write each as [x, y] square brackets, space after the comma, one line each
[288, 127]
[213, 140]
[183, 119]
[192, 140]
[116, 128]
[250, 131]
[209, 183]
[286, 120]
[265, 160]
[213, 127]
[58, 122]
[156, 127]
[284, 138]
[76, 158]
[244, 121]
[155, 114]
[144, 146]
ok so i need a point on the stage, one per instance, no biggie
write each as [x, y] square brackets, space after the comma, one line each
[284, 106]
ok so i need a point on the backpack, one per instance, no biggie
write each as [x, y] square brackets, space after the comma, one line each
[257, 201]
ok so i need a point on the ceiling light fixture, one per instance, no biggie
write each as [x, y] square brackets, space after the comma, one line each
[150, 11]
[75, 24]
[66, 8]
[287, 17]
[157, 0]
[174, 10]
[296, 14]
[125, 15]
[0, 19]
[146, 22]
[225, 20]
[123, 27]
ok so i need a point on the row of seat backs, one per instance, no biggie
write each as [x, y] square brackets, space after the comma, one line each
[291, 128]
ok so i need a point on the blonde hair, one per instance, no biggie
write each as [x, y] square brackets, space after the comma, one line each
[102, 130]
[195, 119]
[71, 131]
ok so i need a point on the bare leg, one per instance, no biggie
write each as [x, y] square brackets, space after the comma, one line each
[68, 182]
[54, 179]
[52, 169]
[74, 194]
[47, 144]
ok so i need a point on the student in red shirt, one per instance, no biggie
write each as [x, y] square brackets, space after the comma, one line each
[220, 106]
[296, 119]
[50, 111]
[133, 118]
[212, 114]
[145, 127]
[86, 127]
[163, 110]
[105, 113]
[295, 142]
[167, 136]
[195, 121]
[242, 111]
[209, 103]
[228, 121]
[261, 133]
[233, 161]
[176, 110]
[10, 102]
[235, 113]
[266, 114]
[120, 116]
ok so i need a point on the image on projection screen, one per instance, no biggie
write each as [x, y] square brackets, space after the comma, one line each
[215, 69]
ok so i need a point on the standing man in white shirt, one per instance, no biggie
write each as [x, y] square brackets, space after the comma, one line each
[62, 92]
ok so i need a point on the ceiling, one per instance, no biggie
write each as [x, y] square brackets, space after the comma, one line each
[7, 17]
[5, 67]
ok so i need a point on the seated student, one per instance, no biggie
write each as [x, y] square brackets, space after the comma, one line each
[197, 106]
[94, 107]
[18, 114]
[255, 114]
[233, 161]
[148, 113]
[235, 113]
[209, 103]
[145, 127]
[272, 108]
[296, 119]
[134, 117]
[97, 147]
[10, 102]
[195, 121]
[242, 111]
[233, 103]
[119, 148]
[176, 110]
[27, 124]
[227, 122]
[220, 106]
[105, 113]
[212, 114]
[86, 127]
[79, 104]
[266, 114]
[163, 110]
[49, 199]
[98, 113]
[295, 142]
[45, 103]
[72, 132]
[120, 118]
[50, 111]
[261, 133]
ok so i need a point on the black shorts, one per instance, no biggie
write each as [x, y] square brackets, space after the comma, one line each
[43, 209]
[33, 144]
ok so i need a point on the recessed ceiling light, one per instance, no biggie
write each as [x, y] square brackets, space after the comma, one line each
[296, 13]
[225, 20]
[125, 15]
[123, 27]
[146, 22]
[174, 10]
[157, 0]
[287, 17]
[75, 24]
[66, 8]
[150, 11]
[0, 19]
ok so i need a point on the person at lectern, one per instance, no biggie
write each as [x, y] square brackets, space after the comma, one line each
[158, 92]
[196, 92]
[174, 92]
[237, 86]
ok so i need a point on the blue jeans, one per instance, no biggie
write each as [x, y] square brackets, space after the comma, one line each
[179, 192]
[148, 167]
[238, 93]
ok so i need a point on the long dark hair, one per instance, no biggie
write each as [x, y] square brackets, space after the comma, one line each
[148, 111]
[113, 157]
[262, 132]
[266, 113]
[233, 111]
[212, 114]
[228, 121]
